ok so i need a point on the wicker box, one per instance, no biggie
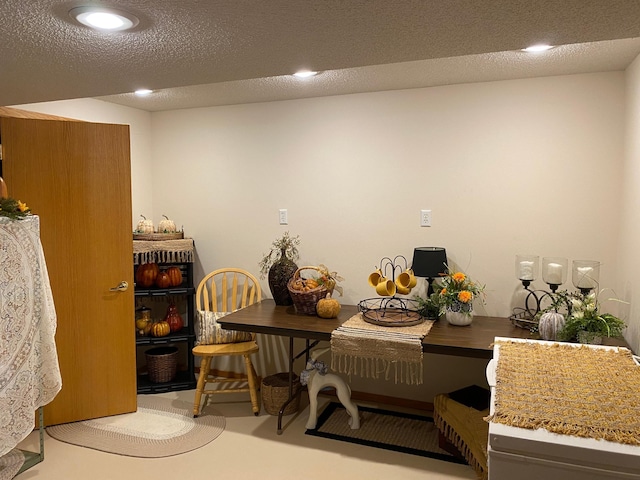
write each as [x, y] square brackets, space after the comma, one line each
[162, 364]
[275, 391]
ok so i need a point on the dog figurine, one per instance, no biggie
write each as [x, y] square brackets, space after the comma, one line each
[316, 378]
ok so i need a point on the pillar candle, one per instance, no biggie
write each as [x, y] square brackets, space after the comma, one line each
[584, 277]
[526, 270]
[554, 273]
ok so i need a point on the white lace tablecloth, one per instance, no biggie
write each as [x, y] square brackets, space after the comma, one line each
[29, 371]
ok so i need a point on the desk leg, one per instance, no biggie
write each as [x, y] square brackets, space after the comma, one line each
[291, 397]
[293, 357]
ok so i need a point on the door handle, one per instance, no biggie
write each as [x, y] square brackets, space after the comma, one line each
[122, 287]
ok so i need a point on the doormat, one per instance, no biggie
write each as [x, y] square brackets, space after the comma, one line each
[161, 427]
[400, 432]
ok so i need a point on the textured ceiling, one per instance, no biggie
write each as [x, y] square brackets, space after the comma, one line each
[213, 52]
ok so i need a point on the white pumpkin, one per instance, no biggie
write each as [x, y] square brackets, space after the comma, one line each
[144, 225]
[550, 325]
[166, 225]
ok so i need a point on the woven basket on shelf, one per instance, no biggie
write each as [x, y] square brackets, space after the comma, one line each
[162, 364]
[305, 302]
[275, 391]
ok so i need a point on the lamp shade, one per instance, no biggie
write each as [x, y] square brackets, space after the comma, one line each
[429, 262]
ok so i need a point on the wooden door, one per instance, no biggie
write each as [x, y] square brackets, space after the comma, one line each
[76, 176]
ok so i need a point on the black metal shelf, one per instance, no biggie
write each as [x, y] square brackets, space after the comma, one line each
[184, 380]
[183, 335]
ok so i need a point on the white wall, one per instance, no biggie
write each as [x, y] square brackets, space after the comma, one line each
[525, 166]
[139, 122]
[628, 252]
[521, 166]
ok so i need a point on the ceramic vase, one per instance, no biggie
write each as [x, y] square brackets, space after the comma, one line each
[174, 319]
[459, 314]
[279, 275]
[590, 338]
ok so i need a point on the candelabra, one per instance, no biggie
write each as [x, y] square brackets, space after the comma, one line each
[584, 275]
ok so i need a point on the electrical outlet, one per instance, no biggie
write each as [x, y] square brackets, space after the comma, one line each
[425, 218]
[284, 220]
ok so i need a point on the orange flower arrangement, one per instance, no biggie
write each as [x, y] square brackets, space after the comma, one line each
[457, 292]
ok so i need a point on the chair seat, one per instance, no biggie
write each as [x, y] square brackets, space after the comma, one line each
[240, 348]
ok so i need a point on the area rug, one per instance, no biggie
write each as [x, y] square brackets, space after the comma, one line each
[400, 432]
[161, 427]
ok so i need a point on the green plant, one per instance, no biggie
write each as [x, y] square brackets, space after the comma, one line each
[13, 209]
[584, 315]
[457, 292]
[429, 307]
[286, 246]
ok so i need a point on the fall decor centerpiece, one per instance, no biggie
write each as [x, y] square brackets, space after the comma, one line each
[279, 266]
[456, 295]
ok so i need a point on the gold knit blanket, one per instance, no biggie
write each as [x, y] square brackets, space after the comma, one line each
[566, 389]
[372, 351]
[163, 251]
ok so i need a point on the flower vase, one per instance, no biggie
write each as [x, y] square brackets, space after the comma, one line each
[173, 318]
[279, 275]
[590, 338]
[460, 314]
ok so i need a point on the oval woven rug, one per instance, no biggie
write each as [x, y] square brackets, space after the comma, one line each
[161, 427]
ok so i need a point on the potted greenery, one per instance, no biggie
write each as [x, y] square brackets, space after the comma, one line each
[429, 307]
[585, 323]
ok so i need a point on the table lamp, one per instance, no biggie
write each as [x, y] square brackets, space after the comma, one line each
[429, 262]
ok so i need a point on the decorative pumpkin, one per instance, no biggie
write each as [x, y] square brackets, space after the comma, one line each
[166, 225]
[160, 329]
[175, 276]
[146, 274]
[173, 318]
[144, 225]
[550, 324]
[328, 307]
[163, 280]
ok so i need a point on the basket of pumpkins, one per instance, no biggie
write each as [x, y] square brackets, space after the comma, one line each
[166, 230]
[309, 289]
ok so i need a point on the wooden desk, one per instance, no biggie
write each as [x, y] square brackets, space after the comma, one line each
[474, 340]
[266, 317]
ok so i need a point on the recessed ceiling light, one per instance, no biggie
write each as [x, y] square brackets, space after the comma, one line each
[305, 74]
[537, 48]
[143, 92]
[101, 18]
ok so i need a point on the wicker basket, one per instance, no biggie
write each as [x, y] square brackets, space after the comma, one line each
[275, 391]
[305, 302]
[162, 364]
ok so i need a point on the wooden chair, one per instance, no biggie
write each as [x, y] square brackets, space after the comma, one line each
[227, 290]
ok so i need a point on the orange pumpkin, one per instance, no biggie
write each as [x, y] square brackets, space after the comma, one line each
[175, 276]
[163, 280]
[160, 329]
[146, 274]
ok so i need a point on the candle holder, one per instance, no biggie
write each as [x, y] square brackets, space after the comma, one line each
[554, 271]
[527, 267]
[585, 275]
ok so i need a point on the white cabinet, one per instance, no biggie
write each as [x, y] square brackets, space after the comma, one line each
[539, 454]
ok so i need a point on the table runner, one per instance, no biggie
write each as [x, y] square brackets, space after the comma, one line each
[29, 371]
[567, 389]
[163, 251]
[372, 351]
